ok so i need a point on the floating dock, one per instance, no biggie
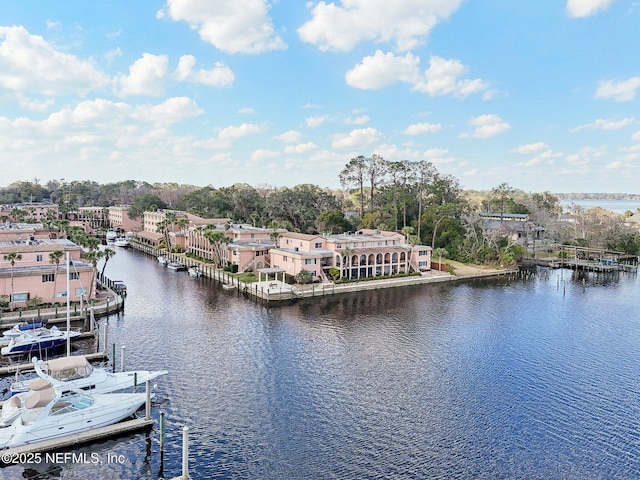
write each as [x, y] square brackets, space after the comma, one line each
[78, 438]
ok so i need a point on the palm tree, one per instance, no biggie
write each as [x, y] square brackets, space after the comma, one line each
[107, 253]
[440, 252]
[12, 258]
[54, 258]
[219, 242]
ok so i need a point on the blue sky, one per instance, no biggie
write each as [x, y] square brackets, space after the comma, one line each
[542, 95]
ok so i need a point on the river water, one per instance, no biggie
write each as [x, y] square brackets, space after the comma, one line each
[532, 378]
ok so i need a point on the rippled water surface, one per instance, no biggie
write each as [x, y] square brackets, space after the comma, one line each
[532, 378]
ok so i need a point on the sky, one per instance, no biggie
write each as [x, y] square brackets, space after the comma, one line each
[543, 95]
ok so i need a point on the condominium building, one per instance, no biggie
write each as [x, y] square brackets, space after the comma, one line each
[33, 267]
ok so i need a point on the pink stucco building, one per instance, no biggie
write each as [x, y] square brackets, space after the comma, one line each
[20, 212]
[249, 247]
[365, 253]
[27, 271]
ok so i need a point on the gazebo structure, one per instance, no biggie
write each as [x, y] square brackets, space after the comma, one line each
[268, 272]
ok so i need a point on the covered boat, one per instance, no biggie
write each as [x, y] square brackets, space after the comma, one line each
[47, 413]
[75, 372]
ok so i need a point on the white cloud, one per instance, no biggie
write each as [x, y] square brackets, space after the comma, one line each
[586, 156]
[219, 76]
[112, 54]
[530, 148]
[442, 78]
[604, 124]
[170, 111]
[313, 122]
[146, 76]
[233, 132]
[487, 126]
[247, 111]
[356, 139]
[438, 156]
[406, 23]
[393, 152]
[636, 136]
[544, 155]
[382, 70]
[420, 128]
[361, 120]
[615, 165]
[585, 8]
[238, 26]
[623, 91]
[262, 155]
[290, 137]
[28, 64]
[300, 148]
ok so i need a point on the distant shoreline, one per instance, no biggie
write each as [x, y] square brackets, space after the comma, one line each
[598, 196]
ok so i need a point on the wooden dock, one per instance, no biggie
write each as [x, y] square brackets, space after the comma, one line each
[78, 438]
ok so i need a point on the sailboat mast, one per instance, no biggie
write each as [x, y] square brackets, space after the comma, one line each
[68, 310]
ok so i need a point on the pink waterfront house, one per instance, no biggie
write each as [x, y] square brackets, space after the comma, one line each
[365, 253]
[179, 230]
[249, 247]
[27, 271]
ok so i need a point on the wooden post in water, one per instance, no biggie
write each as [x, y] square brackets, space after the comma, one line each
[122, 349]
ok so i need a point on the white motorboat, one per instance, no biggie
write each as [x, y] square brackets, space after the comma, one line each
[122, 242]
[111, 235]
[177, 266]
[48, 413]
[195, 272]
[38, 340]
[75, 372]
[24, 327]
[162, 260]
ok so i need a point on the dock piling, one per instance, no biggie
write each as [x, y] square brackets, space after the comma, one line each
[147, 409]
[185, 453]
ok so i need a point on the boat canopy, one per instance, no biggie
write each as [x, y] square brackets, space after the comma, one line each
[40, 398]
[66, 368]
[38, 384]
